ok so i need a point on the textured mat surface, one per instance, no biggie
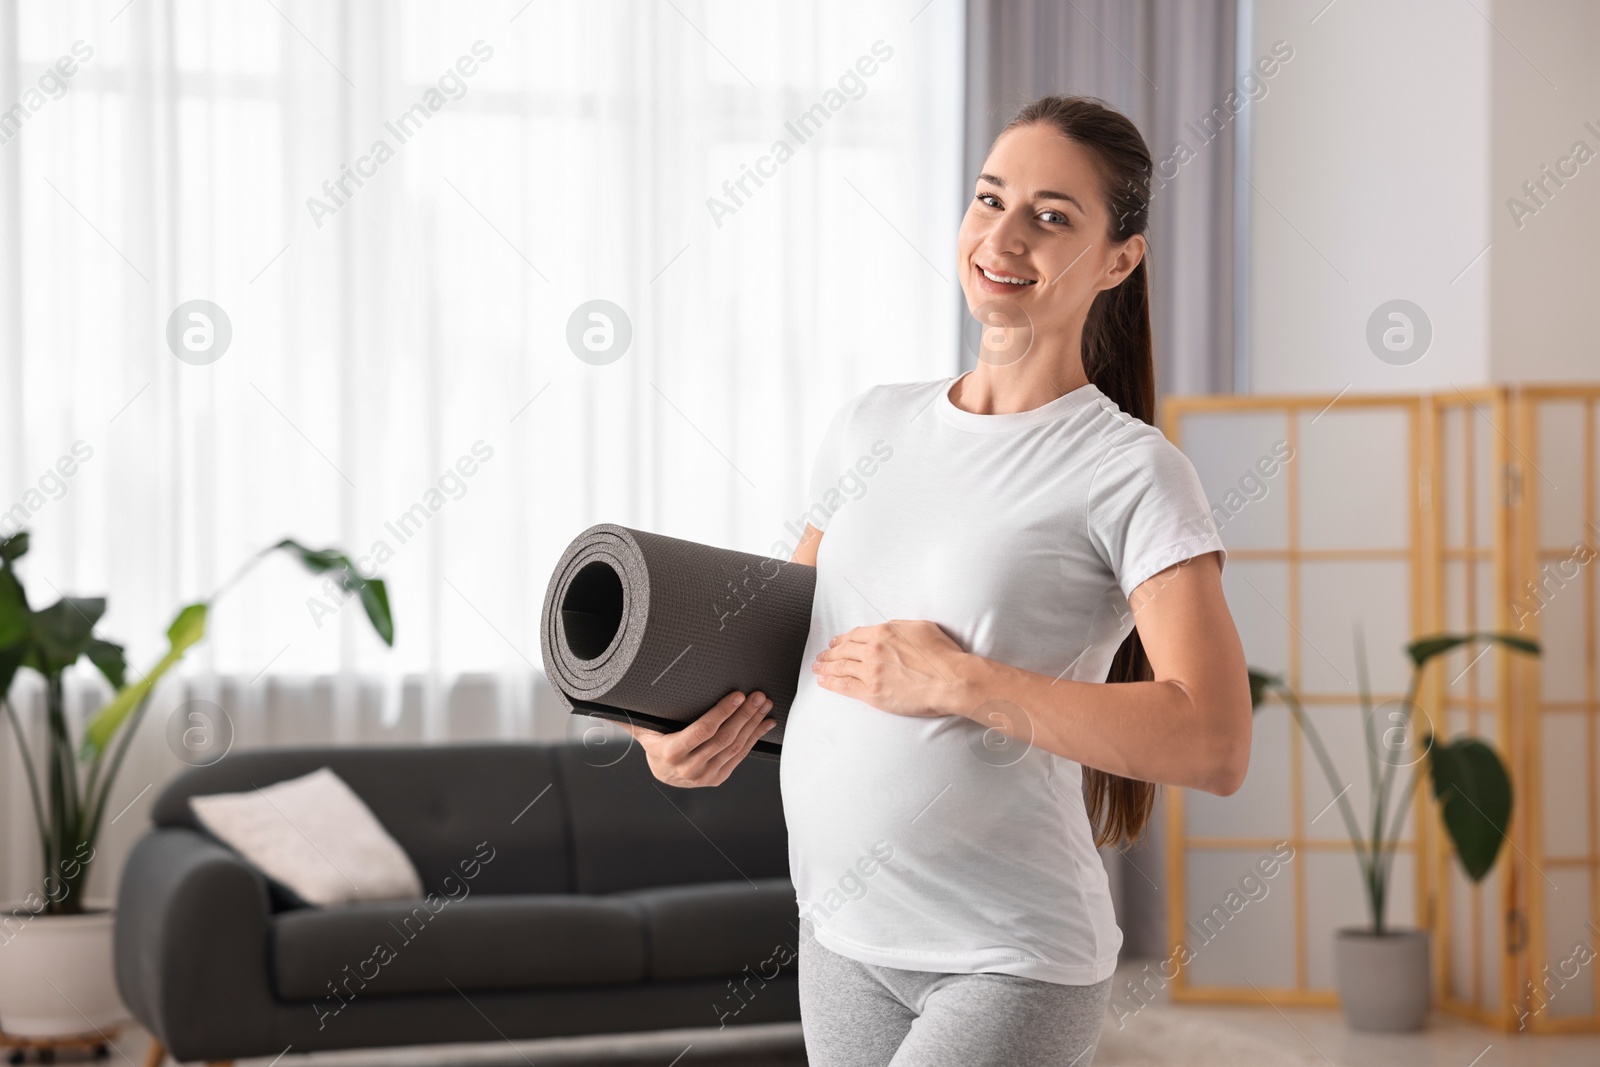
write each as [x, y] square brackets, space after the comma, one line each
[638, 627]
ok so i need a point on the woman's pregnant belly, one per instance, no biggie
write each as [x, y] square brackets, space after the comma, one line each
[976, 847]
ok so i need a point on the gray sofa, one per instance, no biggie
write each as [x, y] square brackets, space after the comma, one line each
[610, 903]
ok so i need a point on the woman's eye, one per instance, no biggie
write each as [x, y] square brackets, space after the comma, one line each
[992, 201]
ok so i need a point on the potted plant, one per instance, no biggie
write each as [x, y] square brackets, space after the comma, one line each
[1383, 974]
[55, 951]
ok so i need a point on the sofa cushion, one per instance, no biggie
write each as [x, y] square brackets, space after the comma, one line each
[380, 948]
[718, 929]
[630, 831]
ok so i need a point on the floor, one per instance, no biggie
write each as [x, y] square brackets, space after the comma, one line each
[1165, 1033]
[1158, 1035]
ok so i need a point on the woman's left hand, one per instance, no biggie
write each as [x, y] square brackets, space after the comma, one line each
[904, 666]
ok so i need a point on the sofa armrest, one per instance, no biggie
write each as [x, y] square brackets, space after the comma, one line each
[192, 943]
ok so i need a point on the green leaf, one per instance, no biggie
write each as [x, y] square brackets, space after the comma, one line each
[15, 546]
[316, 560]
[1474, 792]
[188, 628]
[63, 630]
[1260, 682]
[374, 594]
[97, 735]
[14, 622]
[1426, 648]
[10, 660]
[109, 658]
[375, 600]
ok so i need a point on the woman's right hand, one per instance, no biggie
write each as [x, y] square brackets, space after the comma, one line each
[706, 751]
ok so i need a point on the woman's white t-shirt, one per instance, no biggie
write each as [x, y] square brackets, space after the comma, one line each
[939, 844]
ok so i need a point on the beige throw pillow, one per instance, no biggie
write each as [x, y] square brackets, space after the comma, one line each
[315, 836]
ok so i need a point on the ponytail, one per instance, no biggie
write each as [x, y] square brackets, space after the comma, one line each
[1123, 368]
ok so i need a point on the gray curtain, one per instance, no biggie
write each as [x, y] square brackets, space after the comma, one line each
[1169, 65]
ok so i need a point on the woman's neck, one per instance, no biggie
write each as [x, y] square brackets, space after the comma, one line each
[1030, 382]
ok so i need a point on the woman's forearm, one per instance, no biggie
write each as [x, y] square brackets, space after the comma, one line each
[1189, 727]
[1151, 731]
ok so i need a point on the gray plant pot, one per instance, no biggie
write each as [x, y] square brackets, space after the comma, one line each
[1384, 980]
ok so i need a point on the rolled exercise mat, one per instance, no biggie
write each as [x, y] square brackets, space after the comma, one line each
[638, 627]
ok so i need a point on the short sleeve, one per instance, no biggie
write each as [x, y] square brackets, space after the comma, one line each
[826, 494]
[1147, 508]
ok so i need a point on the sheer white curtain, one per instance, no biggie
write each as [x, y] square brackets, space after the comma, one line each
[399, 208]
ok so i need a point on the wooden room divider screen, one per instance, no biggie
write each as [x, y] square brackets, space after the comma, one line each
[1376, 519]
[1553, 589]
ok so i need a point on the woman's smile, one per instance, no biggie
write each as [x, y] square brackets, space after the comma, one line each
[991, 280]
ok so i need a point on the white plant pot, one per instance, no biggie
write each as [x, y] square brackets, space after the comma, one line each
[56, 977]
[1384, 982]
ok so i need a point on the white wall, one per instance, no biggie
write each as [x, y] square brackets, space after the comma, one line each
[1545, 274]
[1369, 166]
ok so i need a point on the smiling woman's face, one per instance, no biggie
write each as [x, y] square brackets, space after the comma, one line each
[1039, 218]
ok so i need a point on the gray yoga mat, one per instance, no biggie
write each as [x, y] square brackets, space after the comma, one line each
[638, 627]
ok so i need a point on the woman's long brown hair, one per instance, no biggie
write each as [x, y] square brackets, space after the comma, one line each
[1118, 357]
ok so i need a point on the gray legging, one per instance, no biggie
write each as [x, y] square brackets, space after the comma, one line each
[864, 1015]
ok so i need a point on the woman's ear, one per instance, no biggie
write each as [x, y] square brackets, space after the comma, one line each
[1124, 259]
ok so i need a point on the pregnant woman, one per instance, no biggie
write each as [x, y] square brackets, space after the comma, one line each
[953, 757]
